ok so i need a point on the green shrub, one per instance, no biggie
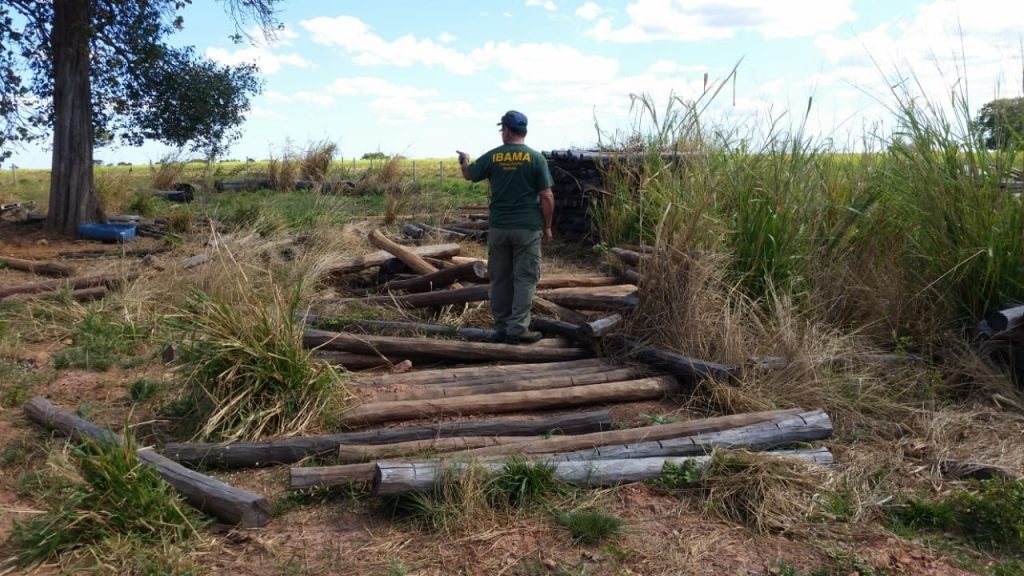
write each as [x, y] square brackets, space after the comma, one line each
[98, 343]
[590, 526]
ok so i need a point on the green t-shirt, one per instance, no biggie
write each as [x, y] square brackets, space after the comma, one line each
[517, 173]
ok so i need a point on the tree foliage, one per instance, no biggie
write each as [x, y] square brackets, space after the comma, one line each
[142, 88]
[1001, 124]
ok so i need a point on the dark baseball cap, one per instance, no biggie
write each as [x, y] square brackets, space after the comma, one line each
[514, 120]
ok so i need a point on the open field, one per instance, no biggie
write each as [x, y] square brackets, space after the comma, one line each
[847, 283]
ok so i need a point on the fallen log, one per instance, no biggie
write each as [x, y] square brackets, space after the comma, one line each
[223, 501]
[99, 253]
[290, 450]
[559, 327]
[628, 391]
[358, 263]
[110, 281]
[618, 297]
[393, 328]
[628, 257]
[352, 361]
[457, 376]
[392, 478]
[557, 311]
[436, 349]
[553, 281]
[327, 476]
[672, 362]
[409, 257]
[431, 299]
[475, 271]
[556, 444]
[41, 268]
[547, 382]
[803, 427]
[600, 327]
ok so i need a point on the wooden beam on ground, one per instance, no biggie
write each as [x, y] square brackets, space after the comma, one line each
[395, 328]
[628, 391]
[378, 258]
[392, 478]
[619, 297]
[672, 362]
[291, 450]
[557, 311]
[109, 280]
[554, 281]
[36, 267]
[600, 327]
[223, 501]
[409, 257]
[457, 376]
[431, 299]
[437, 349]
[469, 272]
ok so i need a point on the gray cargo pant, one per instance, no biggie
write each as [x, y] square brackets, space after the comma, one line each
[513, 262]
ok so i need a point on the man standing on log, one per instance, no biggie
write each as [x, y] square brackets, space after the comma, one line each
[521, 209]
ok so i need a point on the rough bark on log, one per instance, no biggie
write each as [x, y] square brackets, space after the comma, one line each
[41, 268]
[212, 496]
[392, 478]
[628, 391]
[628, 257]
[558, 311]
[470, 272]
[327, 476]
[458, 376]
[600, 327]
[353, 361]
[431, 299]
[431, 348]
[394, 328]
[620, 297]
[672, 362]
[803, 427]
[110, 281]
[378, 258]
[556, 444]
[411, 259]
[290, 450]
[553, 281]
[547, 382]
[559, 327]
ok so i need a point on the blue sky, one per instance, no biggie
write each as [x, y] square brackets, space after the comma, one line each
[423, 79]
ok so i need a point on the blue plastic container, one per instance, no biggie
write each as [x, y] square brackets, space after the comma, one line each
[107, 232]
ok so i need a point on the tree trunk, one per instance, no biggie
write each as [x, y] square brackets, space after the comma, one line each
[210, 495]
[289, 450]
[628, 391]
[391, 478]
[73, 197]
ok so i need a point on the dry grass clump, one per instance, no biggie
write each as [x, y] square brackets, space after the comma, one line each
[284, 172]
[316, 162]
[114, 189]
[166, 173]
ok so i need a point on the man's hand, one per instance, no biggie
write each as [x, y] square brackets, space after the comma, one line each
[548, 235]
[463, 158]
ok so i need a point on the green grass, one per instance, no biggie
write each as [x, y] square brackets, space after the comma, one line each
[99, 342]
[590, 526]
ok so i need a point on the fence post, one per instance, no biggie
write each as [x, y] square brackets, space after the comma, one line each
[414, 170]
[440, 171]
[14, 174]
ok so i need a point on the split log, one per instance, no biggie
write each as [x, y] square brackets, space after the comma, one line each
[600, 327]
[557, 311]
[547, 382]
[409, 257]
[108, 280]
[458, 376]
[358, 263]
[431, 348]
[803, 427]
[475, 271]
[628, 391]
[556, 444]
[327, 476]
[677, 364]
[290, 450]
[431, 299]
[223, 501]
[615, 298]
[391, 478]
[41, 268]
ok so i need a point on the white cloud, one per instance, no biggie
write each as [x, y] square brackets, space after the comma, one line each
[546, 4]
[371, 86]
[317, 98]
[694, 20]
[445, 38]
[529, 65]
[369, 49]
[268, 62]
[589, 11]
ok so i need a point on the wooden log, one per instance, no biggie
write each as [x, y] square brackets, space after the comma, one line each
[431, 299]
[961, 469]
[327, 476]
[672, 362]
[414, 232]
[378, 258]
[661, 432]
[458, 376]
[475, 271]
[628, 257]
[557, 444]
[621, 297]
[98, 253]
[632, 277]
[803, 427]
[290, 450]
[223, 501]
[559, 327]
[552, 281]
[431, 348]
[35, 267]
[109, 280]
[472, 224]
[465, 259]
[353, 454]
[411, 259]
[600, 327]
[557, 311]
[514, 385]
[393, 328]
[392, 478]
[353, 361]
[628, 391]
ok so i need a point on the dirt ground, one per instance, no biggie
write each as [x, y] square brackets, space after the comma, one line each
[346, 535]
